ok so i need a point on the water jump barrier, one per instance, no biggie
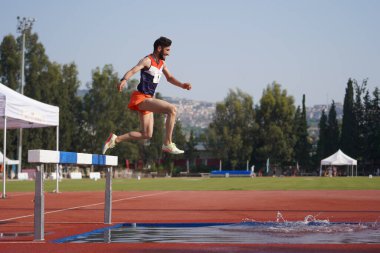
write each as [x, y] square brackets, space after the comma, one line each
[42, 157]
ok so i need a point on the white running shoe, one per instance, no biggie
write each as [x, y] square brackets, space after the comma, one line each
[172, 149]
[110, 143]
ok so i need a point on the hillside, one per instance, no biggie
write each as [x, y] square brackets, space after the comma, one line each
[197, 115]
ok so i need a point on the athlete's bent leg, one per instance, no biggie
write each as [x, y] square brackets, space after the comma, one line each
[161, 106]
[146, 122]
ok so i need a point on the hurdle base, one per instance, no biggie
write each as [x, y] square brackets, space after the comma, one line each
[108, 197]
[39, 205]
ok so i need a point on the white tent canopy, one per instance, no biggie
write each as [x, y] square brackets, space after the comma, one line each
[19, 111]
[339, 159]
[24, 112]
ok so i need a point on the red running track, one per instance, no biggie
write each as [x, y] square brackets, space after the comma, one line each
[73, 213]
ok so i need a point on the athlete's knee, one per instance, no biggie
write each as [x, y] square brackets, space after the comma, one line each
[147, 135]
[172, 110]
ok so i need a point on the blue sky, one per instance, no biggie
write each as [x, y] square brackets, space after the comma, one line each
[310, 47]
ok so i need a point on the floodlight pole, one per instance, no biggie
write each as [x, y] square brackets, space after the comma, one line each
[23, 25]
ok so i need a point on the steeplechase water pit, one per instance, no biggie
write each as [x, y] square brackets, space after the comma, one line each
[308, 231]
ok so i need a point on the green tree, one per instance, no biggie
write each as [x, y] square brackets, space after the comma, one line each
[47, 82]
[190, 149]
[297, 123]
[10, 61]
[374, 137]
[359, 114]
[178, 135]
[302, 146]
[347, 141]
[333, 132]
[275, 116]
[231, 133]
[41, 81]
[101, 105]
[371, 130]
[69, 108]
[366, 134]
[322, 151]
[9, 75]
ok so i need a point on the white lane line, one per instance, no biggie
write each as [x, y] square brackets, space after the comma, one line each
[18, 217]
[84, 206]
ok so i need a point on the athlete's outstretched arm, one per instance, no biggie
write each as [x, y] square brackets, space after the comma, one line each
[171, 79]
[142, 64]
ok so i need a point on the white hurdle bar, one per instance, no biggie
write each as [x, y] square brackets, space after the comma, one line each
[42, 157]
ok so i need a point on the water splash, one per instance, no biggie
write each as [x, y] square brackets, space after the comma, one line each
[280, 217]
[309, 225]
[247, 220]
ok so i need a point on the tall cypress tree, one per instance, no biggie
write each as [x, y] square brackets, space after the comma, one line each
[347, 141]
[375, 138]
[371, 129]
[305, 155]
[368, 125]
[190, 148]
[302, 146]
[296, 130]
[359, 114]
[333, 133]
[323, 135]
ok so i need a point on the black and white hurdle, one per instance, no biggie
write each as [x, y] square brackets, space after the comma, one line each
[41, 157]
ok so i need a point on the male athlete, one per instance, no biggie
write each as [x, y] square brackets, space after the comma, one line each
[143, 101]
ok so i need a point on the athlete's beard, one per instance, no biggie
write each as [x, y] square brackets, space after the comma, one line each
[161, 56]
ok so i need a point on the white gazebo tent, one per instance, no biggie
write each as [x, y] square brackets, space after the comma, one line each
[340, 159]
[18, 111]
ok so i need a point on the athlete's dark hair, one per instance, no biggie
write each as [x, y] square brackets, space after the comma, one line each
[163, 42]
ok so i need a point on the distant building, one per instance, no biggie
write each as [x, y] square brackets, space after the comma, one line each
[314, 113]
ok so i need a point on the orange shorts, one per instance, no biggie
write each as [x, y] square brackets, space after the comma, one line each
[136, 98]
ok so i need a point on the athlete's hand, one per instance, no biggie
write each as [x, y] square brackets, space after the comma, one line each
[186, 86]
[121, 85]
